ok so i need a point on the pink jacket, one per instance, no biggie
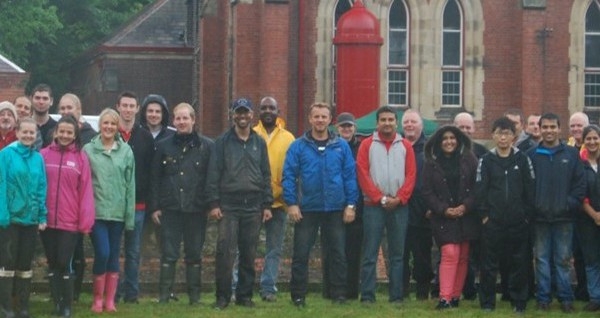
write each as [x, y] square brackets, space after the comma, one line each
[70, 196]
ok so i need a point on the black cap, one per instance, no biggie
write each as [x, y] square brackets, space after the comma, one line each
[241, 103]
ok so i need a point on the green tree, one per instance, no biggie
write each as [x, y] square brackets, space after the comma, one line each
[26, 23]
[45, 36]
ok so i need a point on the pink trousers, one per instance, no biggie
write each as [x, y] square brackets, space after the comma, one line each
[453, 270]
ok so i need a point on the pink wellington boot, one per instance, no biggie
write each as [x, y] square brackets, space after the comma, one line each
[99, 283]
[112, 282]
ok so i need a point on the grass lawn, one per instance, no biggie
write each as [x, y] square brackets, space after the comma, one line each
[316, 307]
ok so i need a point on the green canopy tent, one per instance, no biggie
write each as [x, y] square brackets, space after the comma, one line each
[367, 124]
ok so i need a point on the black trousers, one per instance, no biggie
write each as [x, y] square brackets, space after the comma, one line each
[59, 246]
[17, 246]
[511, 242]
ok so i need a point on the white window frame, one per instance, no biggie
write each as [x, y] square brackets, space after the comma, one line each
[399, 68]
[453, 68]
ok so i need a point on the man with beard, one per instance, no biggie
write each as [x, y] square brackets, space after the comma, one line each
[239, 194]
[42, 101]
[320, 190]
[8, 123]
[278, 141]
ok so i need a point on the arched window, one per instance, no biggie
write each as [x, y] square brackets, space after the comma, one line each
[592, 55]
[452, 55]
[340, 8]
[398, 58]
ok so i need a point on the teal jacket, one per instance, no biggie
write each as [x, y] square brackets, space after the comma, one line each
[22, 186]
[113, 178]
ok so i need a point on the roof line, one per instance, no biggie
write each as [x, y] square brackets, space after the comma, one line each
[11, 64]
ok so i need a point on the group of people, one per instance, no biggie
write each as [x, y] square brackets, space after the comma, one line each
[488, 211]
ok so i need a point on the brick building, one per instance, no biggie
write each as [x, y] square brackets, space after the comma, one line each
[12, 80]
[152, 53]
[438, 56]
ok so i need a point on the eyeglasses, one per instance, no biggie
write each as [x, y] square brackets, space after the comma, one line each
[503, 133]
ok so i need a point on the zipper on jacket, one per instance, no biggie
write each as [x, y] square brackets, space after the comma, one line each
[58, 187]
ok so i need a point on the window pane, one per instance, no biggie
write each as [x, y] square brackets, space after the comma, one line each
[452, 16]
[397, 87]
[341, 8]
[451, 81]
[451, 48]
[592, 18]
[398, 47]
[398, 15]
[592, 50]
[592, 90]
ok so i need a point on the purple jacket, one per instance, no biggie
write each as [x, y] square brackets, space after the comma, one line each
[70, 196]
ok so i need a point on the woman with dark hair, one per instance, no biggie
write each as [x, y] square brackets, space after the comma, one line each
[448, 182]
[588, 222]
[22, 214]
[70, 204]
[113, 168]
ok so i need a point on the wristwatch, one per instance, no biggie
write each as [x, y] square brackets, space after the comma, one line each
[384, 200]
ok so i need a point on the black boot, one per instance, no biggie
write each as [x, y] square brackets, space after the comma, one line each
[6, 286]
[165, 283]
[67, 287]
[193, 279]
[55, 291]
[78, 268]
[22, 291]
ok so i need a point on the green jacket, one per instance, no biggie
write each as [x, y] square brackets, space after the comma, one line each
[113, 177]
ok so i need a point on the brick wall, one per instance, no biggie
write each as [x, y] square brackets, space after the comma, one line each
[12, 85]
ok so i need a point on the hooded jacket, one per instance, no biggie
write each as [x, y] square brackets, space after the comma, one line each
[22, 186]
[165, 131]
[560, 182]
[505, 187]
[437, 192]
[320, 180]
[70, 196]
[113, 177]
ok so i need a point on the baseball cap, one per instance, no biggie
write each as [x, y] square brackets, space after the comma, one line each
[241, 103]
[345, 118]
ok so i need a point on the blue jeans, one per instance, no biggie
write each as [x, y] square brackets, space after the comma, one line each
[130, 285]
[553, 241]
[589, 233]
[395, 223]
[106, 239]
[305, 234]
[275, 230]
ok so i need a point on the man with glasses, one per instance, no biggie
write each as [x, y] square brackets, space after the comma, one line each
[505, 193]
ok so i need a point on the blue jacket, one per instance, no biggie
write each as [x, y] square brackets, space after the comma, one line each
[22, 186]
[560, 182]
[319, 180]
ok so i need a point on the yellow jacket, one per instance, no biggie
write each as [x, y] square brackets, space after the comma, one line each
[277, 145]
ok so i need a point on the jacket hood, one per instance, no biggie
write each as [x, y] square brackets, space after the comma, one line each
[20, 149]
[433, 147]
[70, 148]
[155, 98]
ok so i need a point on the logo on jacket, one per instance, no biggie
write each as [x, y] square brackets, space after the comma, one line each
[71, 164]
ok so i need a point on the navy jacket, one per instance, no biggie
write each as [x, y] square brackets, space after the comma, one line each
[560, 182]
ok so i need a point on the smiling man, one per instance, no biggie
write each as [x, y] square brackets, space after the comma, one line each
[155, 116]
[387, 173]
[142, 145]
[8, 123]
[239, 193]
[181, 162]
[560, 188]
[320, 190]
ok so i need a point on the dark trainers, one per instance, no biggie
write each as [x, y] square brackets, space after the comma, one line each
[592, 306]
[221, 304]
[454, 302]
[299, 302]
[339, 300]
[270, 298]
[443, 304]
[245, 302]
[567, 307]
[543, 306]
